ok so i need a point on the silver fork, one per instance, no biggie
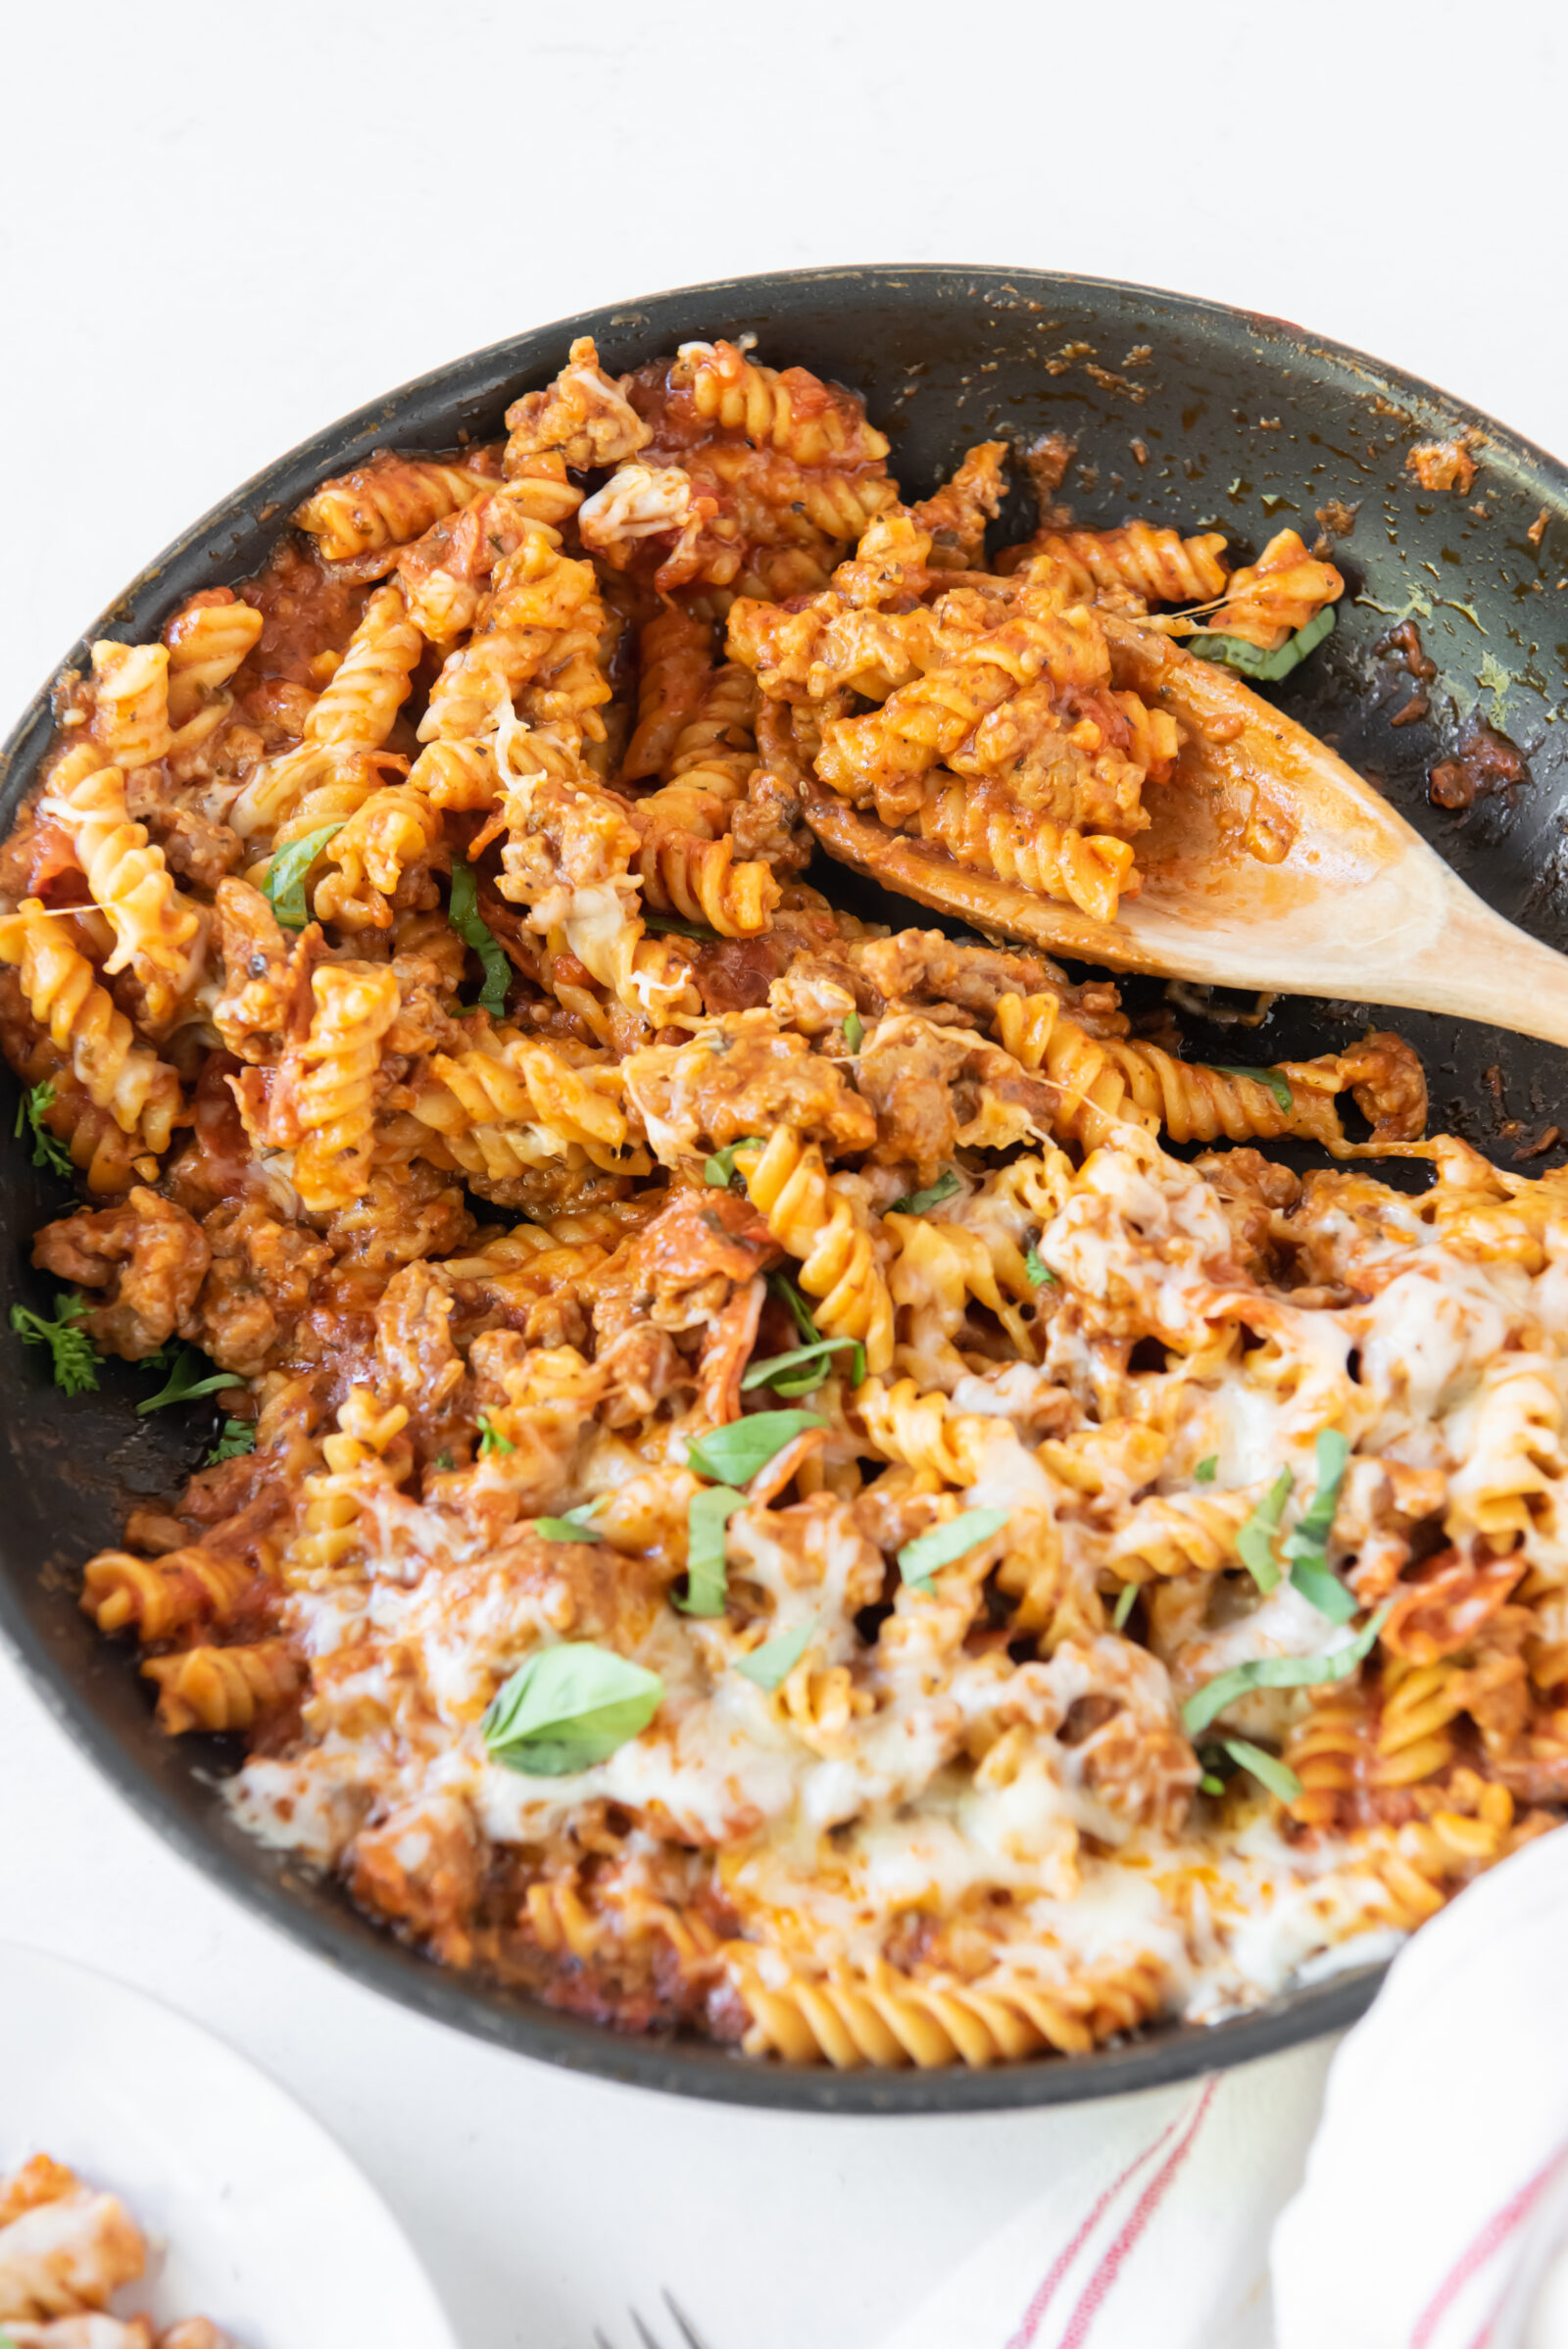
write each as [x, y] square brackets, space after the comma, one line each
[685, 2328]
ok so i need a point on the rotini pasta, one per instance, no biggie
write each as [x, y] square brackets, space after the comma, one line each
[1007, 1562]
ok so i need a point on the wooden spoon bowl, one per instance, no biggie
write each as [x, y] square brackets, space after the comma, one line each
[1269, 863]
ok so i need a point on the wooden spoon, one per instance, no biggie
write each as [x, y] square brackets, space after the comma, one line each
[1268, 863]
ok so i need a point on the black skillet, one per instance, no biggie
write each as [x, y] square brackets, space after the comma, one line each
[1186, 413]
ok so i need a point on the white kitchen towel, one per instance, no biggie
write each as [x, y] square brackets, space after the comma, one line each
[1434, 2209]
[1434, 2212]
[1151, 2228]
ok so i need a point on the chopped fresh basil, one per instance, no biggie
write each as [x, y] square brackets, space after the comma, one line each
[680, 929]
[919, 1559]
[773, 1372]
[237, 1439]
[463, 912]
[491, 1440]
[73, 1356]
[854, 1031]
[1279, 1672]
[443, 1460]
[718, 1170]
[733, 1454]
[1037, 1268]
[1250, 660]
[785, 1290]
[1124, 1605]
[777, 1658]
[1207, 1469]
[47, 1149]
[576, 1526]
[568, 1707]
[1255, 1544]
[917, 1203]
[1267, 1768]
[1308, 1545]
[184, 1385]
[284, 885]
[709, 1513]
[1279, 1086]
[1208, 1783]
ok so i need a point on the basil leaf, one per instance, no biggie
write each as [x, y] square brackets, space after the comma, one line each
[491, 1440]
[1267, 1768]
[919, 1559]
[718, 1170]
[1310, 1537]
[1208, 1783]
[766, 1374]
[854, 1031]
[1308, 1545]
[1323, 1590]
[784, 1287]
[1255, 1544]
[709, 1513]
[777, 1658]
[1279, 1086]
[1280, 1672]
[464, 915]
[1038, 1270]
[1250, 661]
[443, 1460]
[568, 1707]
[680, 929]
[576, 1526]
[1207, 1469]
[284, 885]
[915, 1202]
[184, 1385]
[1124, 1605]
[733, 1454]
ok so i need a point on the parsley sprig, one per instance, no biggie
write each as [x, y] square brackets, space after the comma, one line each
[237, 1439]
[47, 1149]
[71, 1351]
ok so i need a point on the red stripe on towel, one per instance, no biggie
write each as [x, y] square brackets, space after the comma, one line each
[1482, 2247]
[1030, 2323]
[1099, 2284]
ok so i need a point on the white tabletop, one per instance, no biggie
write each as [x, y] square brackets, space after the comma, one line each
[227, 226]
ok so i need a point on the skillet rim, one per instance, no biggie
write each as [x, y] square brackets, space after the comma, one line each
[288, 1898]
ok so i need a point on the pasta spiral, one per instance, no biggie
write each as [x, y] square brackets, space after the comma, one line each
[118, 1074]
[222, 1689]
[390, 831]
[823, 1229]
[130, 701]
[355, 1006]
[158, 933]
[1159, 566]
[207, 642]
[793, 412]
[674, 655]
[981, 825]
[164, 1596]
[385, 504]
[890, 2018]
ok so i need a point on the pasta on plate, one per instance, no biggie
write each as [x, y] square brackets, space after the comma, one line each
[756, 1493]
[65, 2251]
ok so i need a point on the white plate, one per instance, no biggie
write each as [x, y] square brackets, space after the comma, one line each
[257, 2218]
